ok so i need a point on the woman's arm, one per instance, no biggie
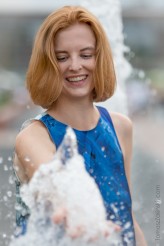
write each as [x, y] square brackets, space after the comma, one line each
[33, 147]
[124, 129]
[140, 239]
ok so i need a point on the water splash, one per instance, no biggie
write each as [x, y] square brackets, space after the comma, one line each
[65, 183]
[109, 13]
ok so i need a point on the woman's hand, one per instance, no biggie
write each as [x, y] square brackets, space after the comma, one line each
[60, 217]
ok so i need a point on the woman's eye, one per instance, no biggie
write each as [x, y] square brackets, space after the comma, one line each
[87, 56]
[61, 58]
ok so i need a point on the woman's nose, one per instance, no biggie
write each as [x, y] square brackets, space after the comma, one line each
[75, 64]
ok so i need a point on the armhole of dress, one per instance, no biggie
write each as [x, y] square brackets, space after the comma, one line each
[49, 132]
[17, 179]
[24, 125]
[40, 119]
[106, 114]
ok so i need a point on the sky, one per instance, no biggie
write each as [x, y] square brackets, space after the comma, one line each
[153, 3]
[44, 5]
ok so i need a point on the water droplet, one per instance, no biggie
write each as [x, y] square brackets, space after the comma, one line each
[9, 158]
[127, 225]
[158, 201]
[5, 167]
[9, 193]
[18, 230]
[11, 180]
[114, 208]
[112, 217]
[1, 160]
[4, 235]
[28, 106]
[103, 148]
[5, 198]
[18, 207]
[12, 237]
[27, 159]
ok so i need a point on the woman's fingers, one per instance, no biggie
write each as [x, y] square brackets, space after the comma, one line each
[112, 228]
[60, 216]
[76, 232]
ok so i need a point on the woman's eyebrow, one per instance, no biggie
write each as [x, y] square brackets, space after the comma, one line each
[60, 51]
[83, 49]
[88, 48]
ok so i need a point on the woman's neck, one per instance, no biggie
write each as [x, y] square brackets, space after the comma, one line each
[81, 115]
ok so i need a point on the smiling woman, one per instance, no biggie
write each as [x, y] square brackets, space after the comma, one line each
[71, 67]
[44, 63]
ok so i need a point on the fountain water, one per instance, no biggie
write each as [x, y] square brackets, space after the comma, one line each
[64, 183]
[109, 13]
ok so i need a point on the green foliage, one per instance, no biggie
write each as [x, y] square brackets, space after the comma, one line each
[5, 97]
[157, 78]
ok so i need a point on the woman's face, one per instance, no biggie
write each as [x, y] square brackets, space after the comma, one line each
[75, 53]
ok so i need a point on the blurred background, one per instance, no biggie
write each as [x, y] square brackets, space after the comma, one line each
[143, 22]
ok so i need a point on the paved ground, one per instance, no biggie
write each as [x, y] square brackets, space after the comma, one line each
[147, 172]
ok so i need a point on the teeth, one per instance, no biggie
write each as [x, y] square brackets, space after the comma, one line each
[76, 79]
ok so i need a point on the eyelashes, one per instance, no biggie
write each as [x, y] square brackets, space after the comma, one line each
[65, 58]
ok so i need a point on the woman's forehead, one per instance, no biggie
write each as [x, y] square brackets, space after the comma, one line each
[77, 34]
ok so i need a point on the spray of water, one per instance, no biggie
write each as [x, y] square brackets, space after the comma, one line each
[65, 184]
[109, 13]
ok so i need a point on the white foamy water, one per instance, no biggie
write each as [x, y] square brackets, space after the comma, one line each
[65, 184]
[109, 13]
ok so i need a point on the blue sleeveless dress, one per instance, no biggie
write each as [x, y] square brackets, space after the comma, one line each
[103, 157]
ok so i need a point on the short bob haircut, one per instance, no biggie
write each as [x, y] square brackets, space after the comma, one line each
[43, 75]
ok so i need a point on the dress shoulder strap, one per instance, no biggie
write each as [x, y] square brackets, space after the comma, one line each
[106, 116]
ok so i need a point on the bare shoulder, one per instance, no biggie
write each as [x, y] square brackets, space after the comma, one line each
[123, 124]
[33, 147]
[32, 135]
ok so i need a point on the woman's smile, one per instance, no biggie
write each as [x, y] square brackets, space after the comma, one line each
[77, 78]
[77, 81]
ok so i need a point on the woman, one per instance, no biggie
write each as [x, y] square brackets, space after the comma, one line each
[71, 67]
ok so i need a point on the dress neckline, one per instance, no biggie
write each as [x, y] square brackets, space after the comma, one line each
[76, 130]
